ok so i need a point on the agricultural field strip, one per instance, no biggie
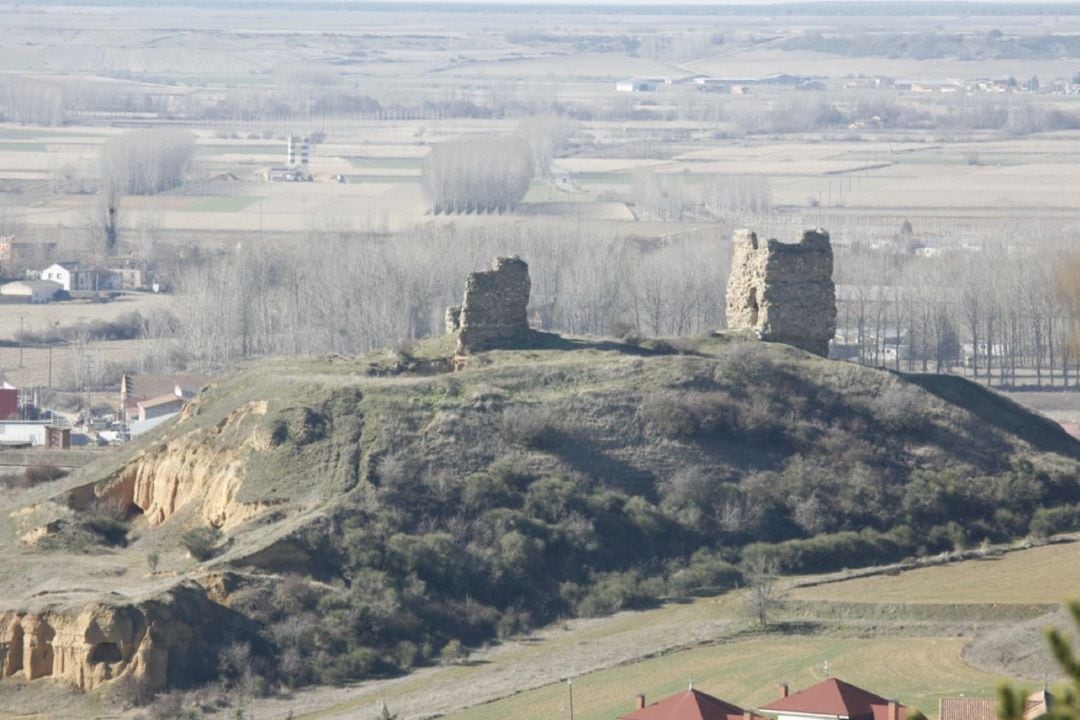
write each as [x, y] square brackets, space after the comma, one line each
[717, 647]
[1039, 575]
[747, 671]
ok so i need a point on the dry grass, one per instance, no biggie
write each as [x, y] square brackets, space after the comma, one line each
[38, 318]
[1039, 575]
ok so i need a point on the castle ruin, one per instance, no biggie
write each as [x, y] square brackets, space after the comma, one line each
[784, 291]
[493, 313]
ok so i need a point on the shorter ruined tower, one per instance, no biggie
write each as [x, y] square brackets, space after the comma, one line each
[493, 313]
[784, 291]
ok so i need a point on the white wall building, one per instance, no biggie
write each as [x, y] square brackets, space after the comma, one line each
[21, 432]
[32, 291]
[74, 278]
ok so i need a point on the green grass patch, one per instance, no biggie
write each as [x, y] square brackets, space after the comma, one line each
[23, 147]
[222, 204]
[747, 673]
[1039, 575]
[383, 179]
[12, 133]
[276, 149]
[386, 163]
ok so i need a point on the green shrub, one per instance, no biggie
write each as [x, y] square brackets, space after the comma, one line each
[705, 572]
[452, 652]
[42, 473]
[835, 551]
[111, 531]
[201, 542]
[1048, 521]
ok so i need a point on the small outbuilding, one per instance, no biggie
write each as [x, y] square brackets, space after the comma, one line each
[31, 291]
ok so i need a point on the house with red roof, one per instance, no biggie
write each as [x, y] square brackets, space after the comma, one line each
[834, 699]
[976, 708]
[689, 705]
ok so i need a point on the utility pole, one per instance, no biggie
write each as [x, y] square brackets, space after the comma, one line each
[21, 317]
[570, 686]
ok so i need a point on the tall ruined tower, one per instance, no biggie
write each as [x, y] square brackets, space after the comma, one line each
[784, 291]
[494, 311]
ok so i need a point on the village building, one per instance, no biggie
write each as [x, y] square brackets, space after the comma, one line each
[30, 291]
[76, 278]
[148, 397]
[129, 277]
[34, 433]
[160, 406]
[834, 699]
[689, 705]
[635, 86]
[9, 401]
[973, 708]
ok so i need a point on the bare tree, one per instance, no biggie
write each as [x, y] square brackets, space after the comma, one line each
[762, 593]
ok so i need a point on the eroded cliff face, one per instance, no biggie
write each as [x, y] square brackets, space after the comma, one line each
[159, 641]
[193, 467]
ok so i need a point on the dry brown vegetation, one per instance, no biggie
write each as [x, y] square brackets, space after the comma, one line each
[144, 132]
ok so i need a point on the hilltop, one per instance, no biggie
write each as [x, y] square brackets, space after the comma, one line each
[378, 513]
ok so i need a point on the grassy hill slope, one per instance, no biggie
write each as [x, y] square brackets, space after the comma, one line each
[381, 513]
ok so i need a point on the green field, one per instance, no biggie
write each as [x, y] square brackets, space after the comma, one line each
[382, 179]
[19, 133]
[1039, 575]
[222, 204]
[276, 149]
[23, 147]
[386, 163]
[917, 670]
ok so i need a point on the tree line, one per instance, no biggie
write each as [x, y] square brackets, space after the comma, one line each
[1004, 312]
[477, 174]
[349, 293]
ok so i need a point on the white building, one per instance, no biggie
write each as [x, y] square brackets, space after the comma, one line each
[23, 432]
[635, 86]
[74, 278]
[32, 291]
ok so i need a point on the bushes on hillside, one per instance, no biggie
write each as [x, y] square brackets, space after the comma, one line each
[1051, 520]
[836, 551]
[201, 542]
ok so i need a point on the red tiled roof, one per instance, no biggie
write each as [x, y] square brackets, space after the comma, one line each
[689, 705]
[836, 697]
[965, 708]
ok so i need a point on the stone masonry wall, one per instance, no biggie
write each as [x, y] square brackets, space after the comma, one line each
[784, 291]
[493, 313]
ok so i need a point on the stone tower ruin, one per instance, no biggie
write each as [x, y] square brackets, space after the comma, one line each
[784, 291]
[493, 313]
